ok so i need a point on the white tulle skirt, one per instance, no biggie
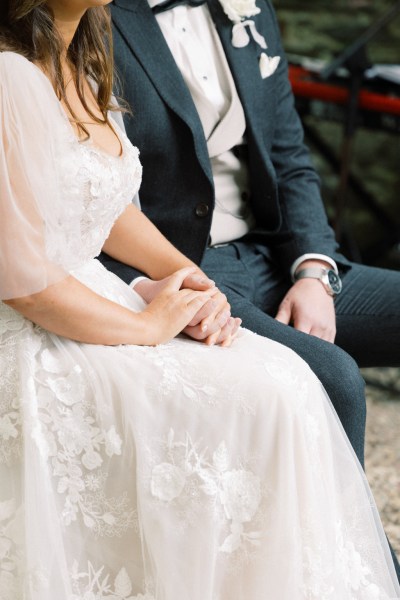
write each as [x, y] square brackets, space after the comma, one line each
[179, 472]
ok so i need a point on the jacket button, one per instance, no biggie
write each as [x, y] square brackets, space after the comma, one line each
[202, 210]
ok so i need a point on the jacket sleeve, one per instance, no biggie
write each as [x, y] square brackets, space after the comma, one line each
[123, 271]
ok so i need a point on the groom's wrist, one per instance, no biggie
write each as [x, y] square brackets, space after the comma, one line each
[321, 260]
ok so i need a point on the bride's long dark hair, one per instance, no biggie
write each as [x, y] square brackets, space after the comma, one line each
[27, 27]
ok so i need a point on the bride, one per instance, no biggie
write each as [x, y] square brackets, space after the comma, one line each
[135, 463]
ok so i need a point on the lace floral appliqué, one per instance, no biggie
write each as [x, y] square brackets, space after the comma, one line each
[236, 493]
[68, 435]
[97, 585]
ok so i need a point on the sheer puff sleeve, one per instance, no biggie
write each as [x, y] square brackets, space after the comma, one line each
[29, 184]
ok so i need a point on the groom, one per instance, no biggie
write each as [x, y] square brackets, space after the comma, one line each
[229, 182]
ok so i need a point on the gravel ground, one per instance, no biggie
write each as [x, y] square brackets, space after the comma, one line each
[383, 447]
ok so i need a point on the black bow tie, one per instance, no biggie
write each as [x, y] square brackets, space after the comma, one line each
[168, 4]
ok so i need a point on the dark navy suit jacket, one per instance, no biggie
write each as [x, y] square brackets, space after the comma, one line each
[177, 192]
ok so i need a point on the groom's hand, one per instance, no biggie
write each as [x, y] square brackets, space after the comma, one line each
[213, 324]
[310, 309]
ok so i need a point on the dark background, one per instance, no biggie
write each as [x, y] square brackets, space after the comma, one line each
[321, 29]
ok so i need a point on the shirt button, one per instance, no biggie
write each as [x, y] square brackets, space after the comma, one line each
[205, 77]
[202, 210]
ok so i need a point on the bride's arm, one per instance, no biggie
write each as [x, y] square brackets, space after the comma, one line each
[70, 309]
[135, 241]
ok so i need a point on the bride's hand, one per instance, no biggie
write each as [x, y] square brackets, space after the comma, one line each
[148, 289]
[173, 308]
[213, 323]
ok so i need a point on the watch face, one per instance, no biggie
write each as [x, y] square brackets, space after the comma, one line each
[334, 282]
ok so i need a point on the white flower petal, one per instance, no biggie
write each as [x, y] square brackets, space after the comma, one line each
[240, 37]
[123, 584]
[268, 65]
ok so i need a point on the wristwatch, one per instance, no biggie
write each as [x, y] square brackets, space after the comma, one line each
[329, 279]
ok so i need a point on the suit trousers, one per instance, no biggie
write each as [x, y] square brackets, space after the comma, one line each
[368, 322]
[367, 315]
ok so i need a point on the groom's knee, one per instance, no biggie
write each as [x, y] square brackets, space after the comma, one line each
[345, 386]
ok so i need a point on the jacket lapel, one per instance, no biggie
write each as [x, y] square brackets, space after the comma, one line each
[244, 65]
[136, 23]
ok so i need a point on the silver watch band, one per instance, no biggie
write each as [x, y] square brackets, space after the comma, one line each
[329, 279]
[312, 272]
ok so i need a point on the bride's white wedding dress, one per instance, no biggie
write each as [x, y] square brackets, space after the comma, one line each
[179, 472]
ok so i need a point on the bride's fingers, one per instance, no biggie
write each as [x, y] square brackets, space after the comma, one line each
[189, 295]
[204, 312]
[198, 282]
[176, 279]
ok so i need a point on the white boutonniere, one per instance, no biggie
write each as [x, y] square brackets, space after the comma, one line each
[239, 12]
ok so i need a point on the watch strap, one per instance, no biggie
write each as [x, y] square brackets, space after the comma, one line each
[311, 272]
[333, 288]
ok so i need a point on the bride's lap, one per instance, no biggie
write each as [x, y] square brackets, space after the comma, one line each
[236, 395]
[248, 377]
[253, 377]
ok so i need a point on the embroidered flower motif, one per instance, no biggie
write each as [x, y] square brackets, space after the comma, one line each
[10, 321]
[68, 433]
[241, 495]
[113, 442]
[68, 389]
[91, 460]
[236, 494]
[8, 551]
[354, 571]
[94, 481]
[96, 585]
[7, 427]
[167, 481]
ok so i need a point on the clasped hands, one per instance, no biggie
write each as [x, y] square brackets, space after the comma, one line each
[306, 306]
[212, 323]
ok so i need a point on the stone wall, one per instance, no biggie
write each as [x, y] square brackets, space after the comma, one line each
[321, 29]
